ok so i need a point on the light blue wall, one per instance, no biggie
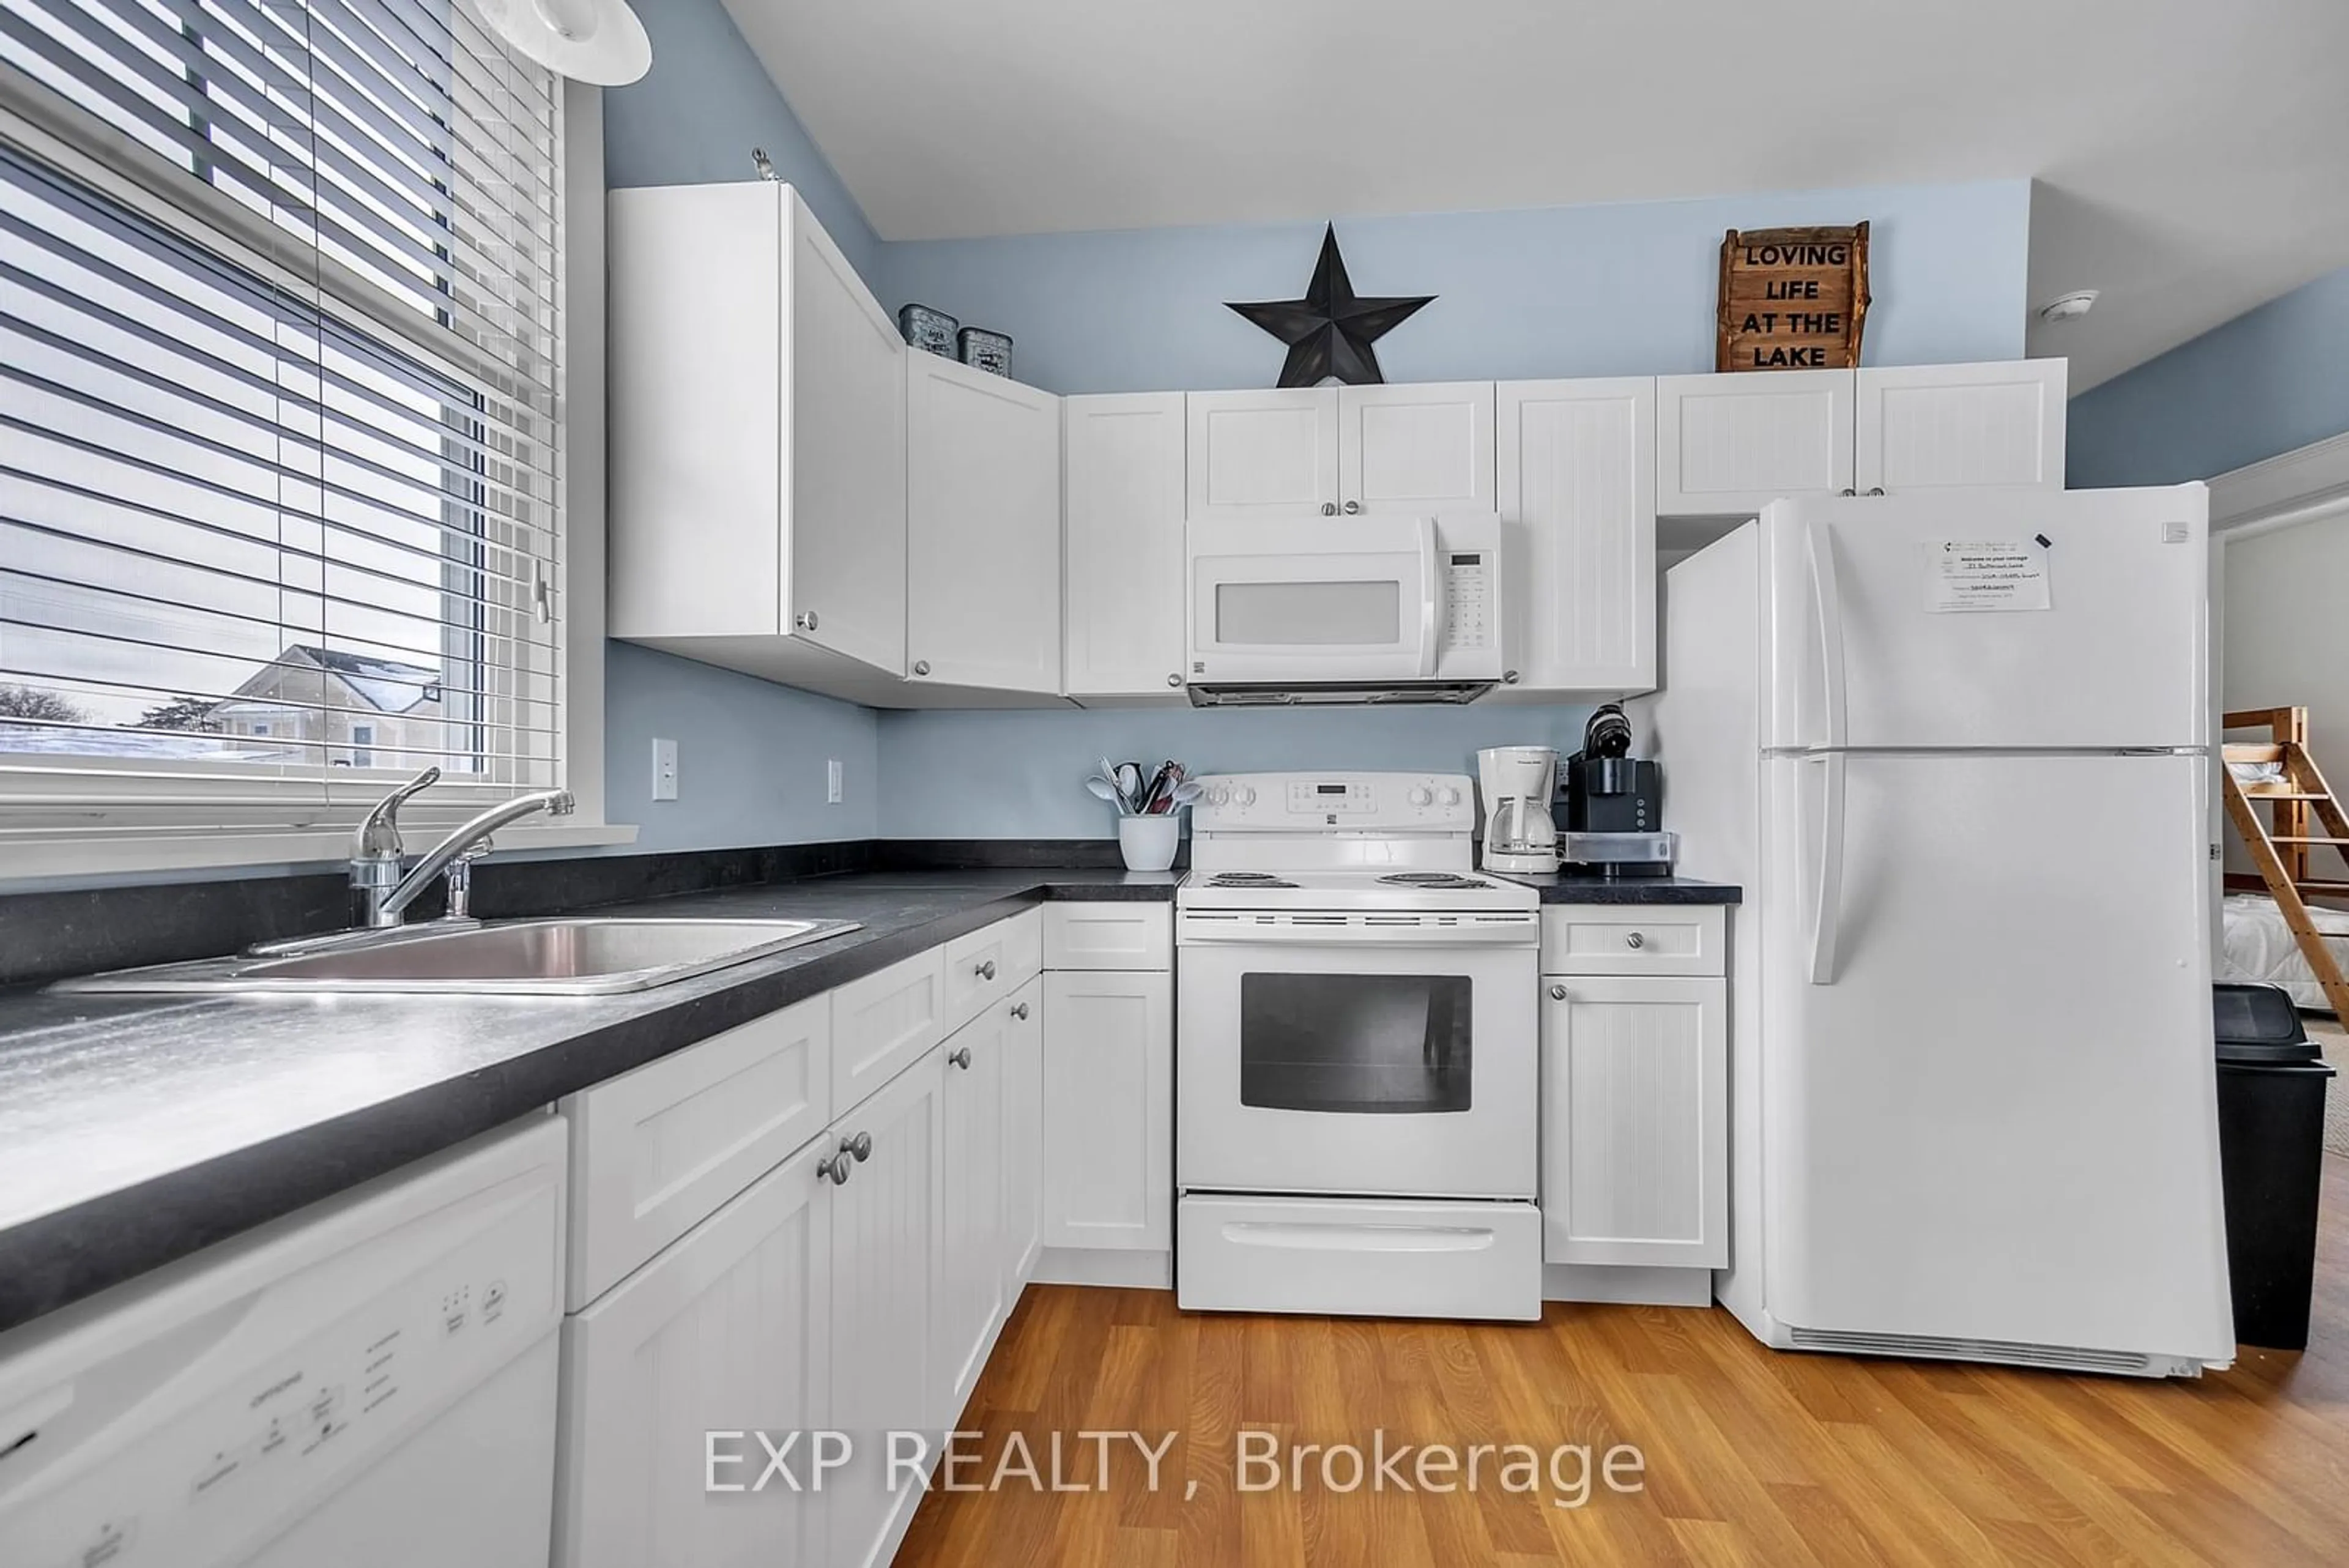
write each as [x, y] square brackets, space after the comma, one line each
[750, 756]
[1618, 290]
[1623, 289]
[2269, 380]
[706, 103]
[1021, 774]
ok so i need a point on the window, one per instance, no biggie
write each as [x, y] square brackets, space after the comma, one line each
[280, 434]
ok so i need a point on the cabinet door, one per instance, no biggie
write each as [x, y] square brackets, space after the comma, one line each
[728, 1330]
[1023, 1138]
[1929, 427]
[970, 1293]
[1578, 465]
[887, 1264]
[1122, 508]
[1728, 445]
[1262, 454]
[1109, 1127]
[845, 580]
[1635, 1121]
[655, 1150]
[1415, 450]
[983, 529]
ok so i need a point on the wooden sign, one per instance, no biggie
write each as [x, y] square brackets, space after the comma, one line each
[1792, 299]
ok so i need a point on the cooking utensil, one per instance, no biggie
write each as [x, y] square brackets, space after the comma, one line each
[1107, 791]
[1129, 784]
[1156, 789]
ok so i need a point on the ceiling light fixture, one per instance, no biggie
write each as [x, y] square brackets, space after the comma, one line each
[599, 42]
[2068, 307]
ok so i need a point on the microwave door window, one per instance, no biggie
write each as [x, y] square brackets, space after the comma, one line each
[1348, 613]
[1375, 1044]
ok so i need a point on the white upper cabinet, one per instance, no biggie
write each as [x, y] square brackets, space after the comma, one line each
[1409, 451]
[1728, 445]
[1122, 507]
[1577, 464]
[1415, 450]
[1927, 427]
[983, 527]
[758, 440]
[1263, 454]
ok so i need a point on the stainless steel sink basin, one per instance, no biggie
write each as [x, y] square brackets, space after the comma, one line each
[570, 957]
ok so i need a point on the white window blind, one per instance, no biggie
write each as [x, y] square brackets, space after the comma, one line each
[280, 412]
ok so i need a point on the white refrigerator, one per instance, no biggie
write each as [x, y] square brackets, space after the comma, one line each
[1956, 748]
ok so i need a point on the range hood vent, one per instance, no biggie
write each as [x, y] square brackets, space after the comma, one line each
[1341, 695]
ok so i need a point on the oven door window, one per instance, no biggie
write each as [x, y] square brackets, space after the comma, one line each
[1377, 1045]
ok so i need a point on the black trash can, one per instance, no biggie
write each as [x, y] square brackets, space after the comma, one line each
[2272, 1083]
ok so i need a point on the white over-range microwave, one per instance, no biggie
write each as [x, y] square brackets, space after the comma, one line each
[1344, 609]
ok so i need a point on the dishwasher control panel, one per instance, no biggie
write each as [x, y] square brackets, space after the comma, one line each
[187, 1437]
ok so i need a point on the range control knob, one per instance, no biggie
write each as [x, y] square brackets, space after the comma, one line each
[1450, 796]
[1244, 795]
[1419, 795]
[1218, 796]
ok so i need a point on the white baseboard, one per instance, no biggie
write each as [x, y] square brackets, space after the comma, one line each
[1627, 1285]
[1105, 1266]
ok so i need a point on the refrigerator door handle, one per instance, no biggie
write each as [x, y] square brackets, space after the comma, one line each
[1827, 915]
[1827, 595]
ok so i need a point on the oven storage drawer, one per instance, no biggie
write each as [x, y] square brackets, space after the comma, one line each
[1621, 939]
[1356, 1257]
[1108, 935]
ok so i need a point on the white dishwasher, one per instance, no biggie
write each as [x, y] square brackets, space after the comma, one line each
[367, 1382]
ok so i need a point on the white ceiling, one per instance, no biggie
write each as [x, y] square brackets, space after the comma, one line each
[2195, 153]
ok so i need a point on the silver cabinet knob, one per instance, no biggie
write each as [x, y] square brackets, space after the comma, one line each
[986, 969]
[1846, 490]
[1509, 678]
[805, 621]
[1635, 941]
[1019, 1010]
[921, 666]
[1876, 490]
[861, 1146]
[1557, 993]
[1329, 509]
[960, 1058]
[834, 1170]
[1173, 681]
[1352, 507]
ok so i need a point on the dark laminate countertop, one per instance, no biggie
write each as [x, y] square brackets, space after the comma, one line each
[137, 1129]
[1569, 887]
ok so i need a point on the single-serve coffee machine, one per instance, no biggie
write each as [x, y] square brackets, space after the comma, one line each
[1517, 783]
[1611, 811]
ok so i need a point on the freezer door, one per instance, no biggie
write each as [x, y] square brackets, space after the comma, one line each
[1988, 1097]
[1989, 619]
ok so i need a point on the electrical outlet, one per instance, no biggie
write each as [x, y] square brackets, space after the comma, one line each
[664, 770]
[831, 791]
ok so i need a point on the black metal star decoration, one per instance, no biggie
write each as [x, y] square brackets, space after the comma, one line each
[1330, 331]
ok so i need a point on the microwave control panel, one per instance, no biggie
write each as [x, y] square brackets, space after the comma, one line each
[1468, 598]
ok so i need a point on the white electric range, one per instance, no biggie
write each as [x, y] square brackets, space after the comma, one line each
[1357, 1064]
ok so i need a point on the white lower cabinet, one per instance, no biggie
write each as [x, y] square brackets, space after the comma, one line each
[1109, 1115]
[971, 1154]
[1635, 1120]
[730, 1329]
[1023, 1138]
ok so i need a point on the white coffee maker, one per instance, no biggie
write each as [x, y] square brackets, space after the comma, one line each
[1517, 783]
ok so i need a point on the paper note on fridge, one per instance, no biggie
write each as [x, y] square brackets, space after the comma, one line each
[1985, 574]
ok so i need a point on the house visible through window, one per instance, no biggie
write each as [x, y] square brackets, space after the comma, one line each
[279, 381]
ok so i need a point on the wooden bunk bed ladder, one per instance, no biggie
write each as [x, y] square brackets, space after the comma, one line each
[2280, 848]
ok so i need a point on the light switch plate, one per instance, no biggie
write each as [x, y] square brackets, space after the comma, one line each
[664, 770]
[832, 781]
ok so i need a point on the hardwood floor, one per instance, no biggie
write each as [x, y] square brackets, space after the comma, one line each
[1750, 1456]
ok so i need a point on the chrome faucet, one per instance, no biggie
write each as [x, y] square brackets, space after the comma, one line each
[378, 853]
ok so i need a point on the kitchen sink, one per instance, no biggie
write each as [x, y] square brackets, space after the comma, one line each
[564, 957]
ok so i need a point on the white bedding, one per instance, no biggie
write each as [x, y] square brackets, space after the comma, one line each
[2260, 947]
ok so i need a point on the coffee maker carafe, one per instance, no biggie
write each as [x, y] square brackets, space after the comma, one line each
[1517, 783]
